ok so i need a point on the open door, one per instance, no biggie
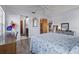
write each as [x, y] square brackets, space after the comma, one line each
[21, 27]
[24, 24]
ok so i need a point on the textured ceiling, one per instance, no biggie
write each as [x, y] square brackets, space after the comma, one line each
[49, 10]
[58, 9]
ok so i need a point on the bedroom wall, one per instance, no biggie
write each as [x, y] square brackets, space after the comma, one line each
[72, 17]
[34, 31]
[15, 13]
[15, 19]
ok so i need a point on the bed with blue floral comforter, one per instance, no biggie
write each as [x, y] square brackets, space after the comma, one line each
[53, 43]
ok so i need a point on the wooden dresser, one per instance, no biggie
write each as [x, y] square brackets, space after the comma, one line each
[8, 48]
[10, 45]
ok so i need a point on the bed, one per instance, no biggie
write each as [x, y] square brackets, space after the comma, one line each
[54, 43]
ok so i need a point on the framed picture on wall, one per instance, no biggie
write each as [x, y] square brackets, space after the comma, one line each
[65, 26]
[35, 22]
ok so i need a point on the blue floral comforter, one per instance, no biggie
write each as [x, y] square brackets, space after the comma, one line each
[52, 43]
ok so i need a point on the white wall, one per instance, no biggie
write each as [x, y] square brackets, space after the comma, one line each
[14, 12]
[35, 30]
[72, 17]
[15, 19]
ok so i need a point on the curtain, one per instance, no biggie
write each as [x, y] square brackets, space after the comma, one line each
[2, 26]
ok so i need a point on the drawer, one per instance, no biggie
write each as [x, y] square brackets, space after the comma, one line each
[10, 48]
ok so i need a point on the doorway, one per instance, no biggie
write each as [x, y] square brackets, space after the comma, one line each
[21, 27]
[24, 26]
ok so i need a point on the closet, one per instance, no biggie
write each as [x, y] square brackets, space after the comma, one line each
[44, 28]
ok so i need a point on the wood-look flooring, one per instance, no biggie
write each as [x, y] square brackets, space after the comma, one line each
[23, 47]
[15, 47]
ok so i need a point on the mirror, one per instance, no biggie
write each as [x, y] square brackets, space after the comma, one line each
[65, 26]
